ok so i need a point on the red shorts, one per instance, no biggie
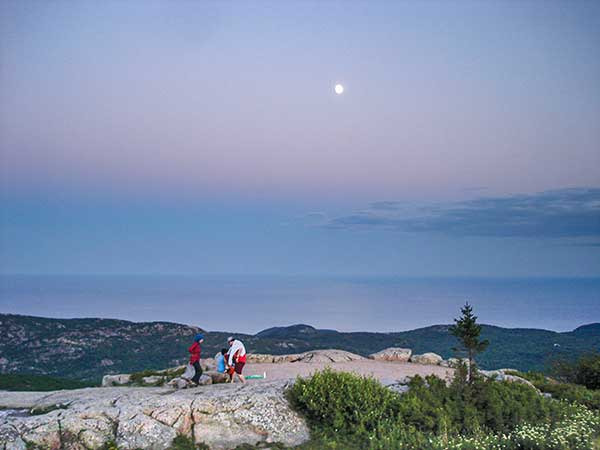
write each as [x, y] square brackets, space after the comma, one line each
[239, 366]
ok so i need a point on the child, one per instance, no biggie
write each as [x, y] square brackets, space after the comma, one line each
[220, 358]
[195, 351]
[229, 370]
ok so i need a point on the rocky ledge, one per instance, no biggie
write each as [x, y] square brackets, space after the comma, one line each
[221, 416]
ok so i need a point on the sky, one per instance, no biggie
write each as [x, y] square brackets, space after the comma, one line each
[191, 137]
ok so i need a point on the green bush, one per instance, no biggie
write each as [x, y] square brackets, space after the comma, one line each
[344, 403]
[347, 411]
[585, 371]
[484, 404]
[573, 393]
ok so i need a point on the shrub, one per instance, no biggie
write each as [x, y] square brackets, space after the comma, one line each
[484, 404]
[344, 403]
[572, 393]
[183, 442]
[585, 371]
[347, 411]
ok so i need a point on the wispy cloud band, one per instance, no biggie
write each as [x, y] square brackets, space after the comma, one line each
[571, 213]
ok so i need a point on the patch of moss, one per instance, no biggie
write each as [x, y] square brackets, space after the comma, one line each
[183, 442]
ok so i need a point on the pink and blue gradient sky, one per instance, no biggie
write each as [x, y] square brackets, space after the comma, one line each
[205, 137]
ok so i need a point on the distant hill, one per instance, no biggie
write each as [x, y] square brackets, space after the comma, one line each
[86, 349]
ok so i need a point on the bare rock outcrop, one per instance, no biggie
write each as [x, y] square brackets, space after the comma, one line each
[502, 375]
[221, 416]
[329, 355]
[432, 359]
[453, 363]
[116, 380]
[395, 354]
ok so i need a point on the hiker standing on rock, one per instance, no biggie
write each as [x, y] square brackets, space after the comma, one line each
[195, 351]
[237, 358]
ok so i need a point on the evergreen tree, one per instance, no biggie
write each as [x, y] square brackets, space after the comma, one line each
[467, 331]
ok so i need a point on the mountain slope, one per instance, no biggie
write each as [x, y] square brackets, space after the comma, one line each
[90, 348]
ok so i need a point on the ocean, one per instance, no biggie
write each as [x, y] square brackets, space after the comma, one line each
[252, 303]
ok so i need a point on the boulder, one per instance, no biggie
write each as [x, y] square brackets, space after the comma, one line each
[153, 380]
[405, 379]
[217, 377]
[399, 388]
[204, 380]
[395, 354]
[179, 383]
[454, 362]
[223, 417]
[116, 380]
[432, 359]
[294, 357]
[329, 355]
[501, 375]
[259, 358]
[208, 364]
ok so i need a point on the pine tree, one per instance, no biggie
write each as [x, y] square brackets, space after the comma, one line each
[467, 331]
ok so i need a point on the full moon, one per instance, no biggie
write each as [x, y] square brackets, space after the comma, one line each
[339, 89]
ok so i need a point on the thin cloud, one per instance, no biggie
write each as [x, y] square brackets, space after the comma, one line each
[561, 213]
[583, 244]
[386, 205]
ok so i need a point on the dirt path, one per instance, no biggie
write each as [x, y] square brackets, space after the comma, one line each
[382, 370]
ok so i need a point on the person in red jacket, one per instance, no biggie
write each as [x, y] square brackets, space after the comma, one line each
[195, 351]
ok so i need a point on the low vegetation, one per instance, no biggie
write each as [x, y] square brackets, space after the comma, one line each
[137, 378]
[585, 371]
[25, 382]
[347, 411]
[570, 392]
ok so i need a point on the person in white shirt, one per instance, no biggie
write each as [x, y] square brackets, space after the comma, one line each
[236, 358]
